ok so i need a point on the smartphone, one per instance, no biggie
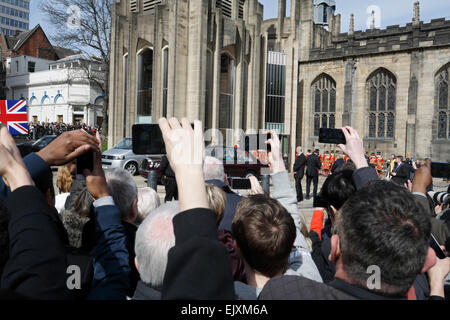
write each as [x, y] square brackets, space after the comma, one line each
[440, 170]
[85, 161]
[240, 184]
[332, 136]
[437, 248]
[148, 139]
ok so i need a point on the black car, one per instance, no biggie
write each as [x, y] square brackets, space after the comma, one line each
[26, 148]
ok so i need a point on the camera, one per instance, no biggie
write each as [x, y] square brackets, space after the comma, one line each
[440, 197]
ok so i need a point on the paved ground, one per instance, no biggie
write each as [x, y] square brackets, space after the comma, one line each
[305, 207]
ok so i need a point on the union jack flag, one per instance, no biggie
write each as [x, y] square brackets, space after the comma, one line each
[13, 114]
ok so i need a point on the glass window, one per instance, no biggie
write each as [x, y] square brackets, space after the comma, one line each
[145, 67]
[31, 66]
[165, 80]
[324, 95]
[443, 103]
[382, 91]
[226, 92]
[208, 87]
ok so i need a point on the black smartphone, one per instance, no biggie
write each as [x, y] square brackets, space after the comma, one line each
[148, 139]
[85, 161]
[437, 248]
[332, 136]
[440, 170]
[240, 184]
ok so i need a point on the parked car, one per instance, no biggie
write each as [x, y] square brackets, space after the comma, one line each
[122, 156]
[151, 162]
[28, 147]
[237, 163]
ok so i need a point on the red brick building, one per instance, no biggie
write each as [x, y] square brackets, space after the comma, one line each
[32, 43]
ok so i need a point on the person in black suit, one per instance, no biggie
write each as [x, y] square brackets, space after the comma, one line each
[401, 173]
[299, 172]
[312, 172]
[170, 183]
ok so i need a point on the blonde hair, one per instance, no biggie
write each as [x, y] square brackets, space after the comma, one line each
[64, 178]
[216, 201]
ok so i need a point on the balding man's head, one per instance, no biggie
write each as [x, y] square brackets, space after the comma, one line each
[299, 150]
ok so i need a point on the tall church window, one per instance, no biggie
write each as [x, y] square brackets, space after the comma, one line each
[165, 80]
[145, 73]
[226, 92]
[382, 101]
[443, 103]
[208, 94]
[324, 103]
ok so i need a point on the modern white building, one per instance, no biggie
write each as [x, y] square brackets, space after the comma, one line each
[57, 91]
[14, 15]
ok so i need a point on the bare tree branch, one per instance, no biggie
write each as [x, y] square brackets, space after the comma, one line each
[87, 30]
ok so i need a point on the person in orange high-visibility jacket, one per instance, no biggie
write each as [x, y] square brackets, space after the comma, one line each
[379, 163]
[372, 160]
[326, 163]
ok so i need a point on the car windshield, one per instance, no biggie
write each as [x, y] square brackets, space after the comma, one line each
[126, 144]
[42, 142]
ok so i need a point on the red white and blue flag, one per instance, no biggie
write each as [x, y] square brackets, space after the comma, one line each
[13, 114]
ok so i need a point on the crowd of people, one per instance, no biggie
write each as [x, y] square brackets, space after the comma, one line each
[40, 129]
[212, 243]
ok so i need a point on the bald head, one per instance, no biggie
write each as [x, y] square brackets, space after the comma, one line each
[299, 150]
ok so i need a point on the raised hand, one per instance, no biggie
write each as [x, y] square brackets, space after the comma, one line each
[255, 186]
[422, 178]
[68, 146]
[12, 169]
[275, 157]
[354, 147]
[185, 151]
[95, 180]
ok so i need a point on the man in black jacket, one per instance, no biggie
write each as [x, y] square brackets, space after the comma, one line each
[170, 183]
[299, 172]
[312, 172]
[401, 173]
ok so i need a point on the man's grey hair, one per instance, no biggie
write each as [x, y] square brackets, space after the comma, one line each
[148, 200]
[122, 188]
[154, 239]
[213, 169]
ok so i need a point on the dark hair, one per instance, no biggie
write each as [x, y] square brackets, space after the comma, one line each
[337, 188]
[383, 225]
[265, 233]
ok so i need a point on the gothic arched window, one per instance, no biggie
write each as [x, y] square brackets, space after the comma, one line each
[145, 74]
[382, 90]
[226, 91]
[443, 103]
[323, 91]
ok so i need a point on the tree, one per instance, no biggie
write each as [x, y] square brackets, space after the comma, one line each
[84, 25]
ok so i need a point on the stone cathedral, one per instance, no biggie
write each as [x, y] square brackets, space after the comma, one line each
[219, 61]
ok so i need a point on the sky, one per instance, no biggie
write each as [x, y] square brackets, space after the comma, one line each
[392, 12]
